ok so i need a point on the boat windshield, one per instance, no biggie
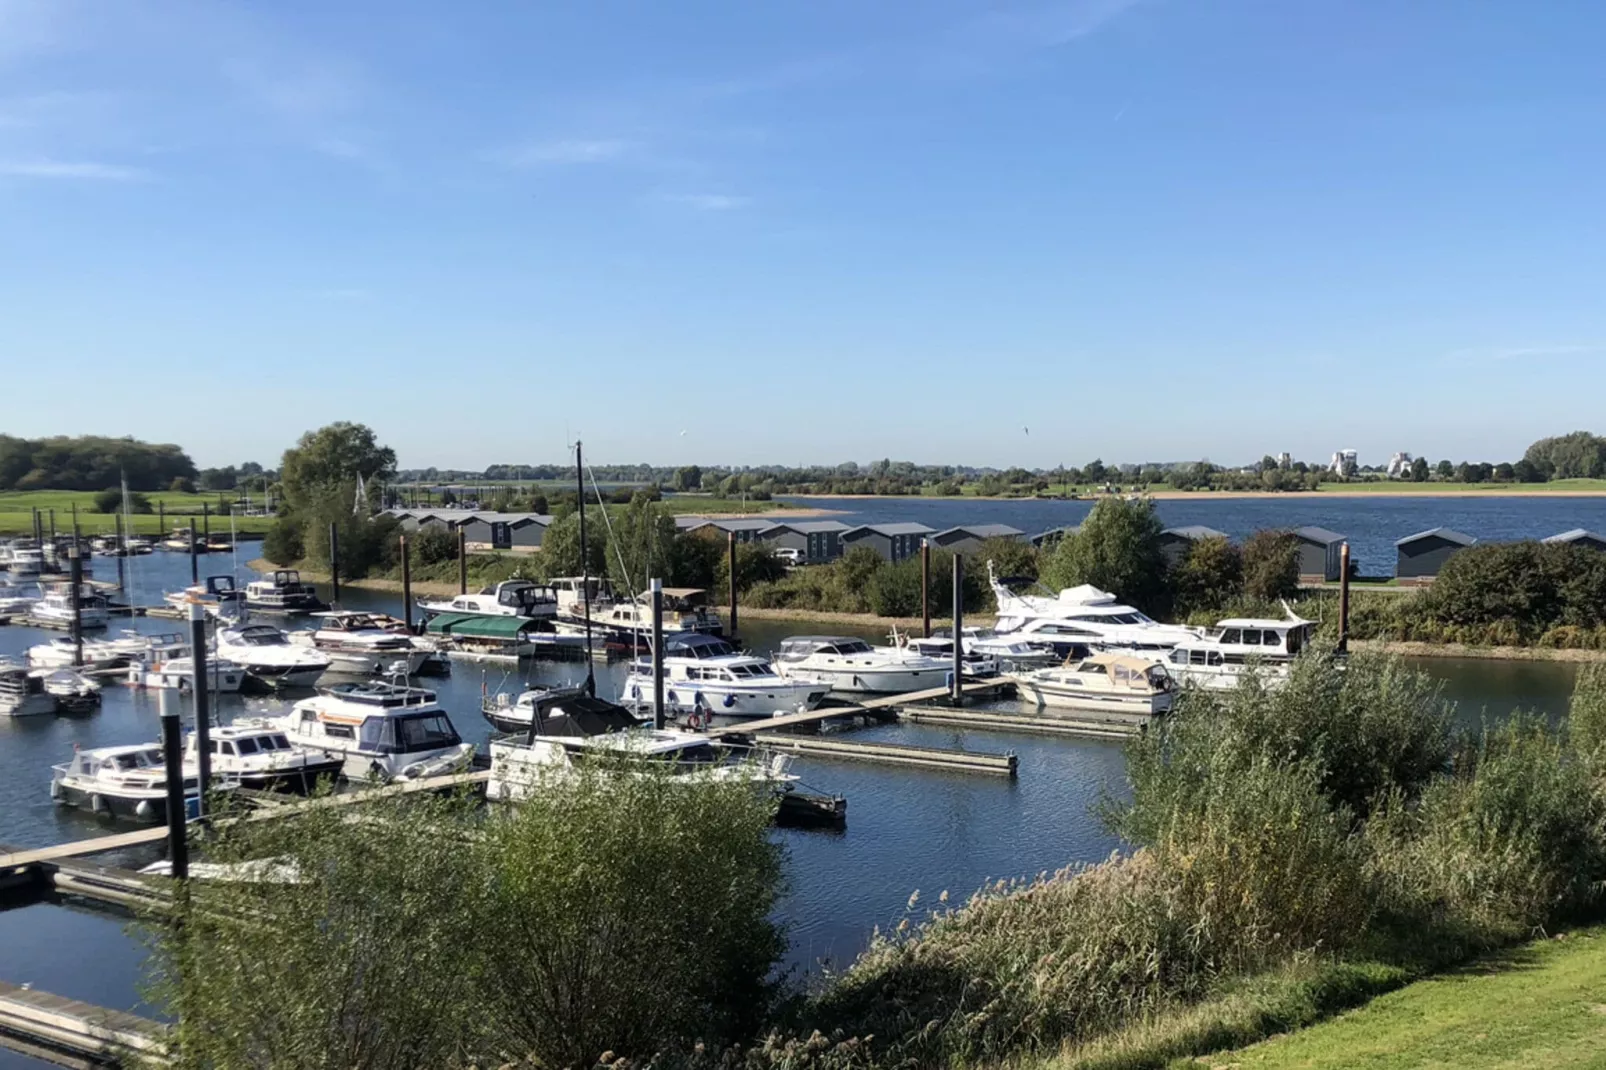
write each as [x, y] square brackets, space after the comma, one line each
[264, 637]
[848, 646]
[425, 732]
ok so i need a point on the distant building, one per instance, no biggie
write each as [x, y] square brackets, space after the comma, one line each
[1047, 540]
[504, 531]
[1176, 542]
[968, 538]
[1579, 537]
[1421, 556]
[1344, 463]
[892, 541]
[744, 528]
[1399, 465]
[1285, 460]
[818, 541]
[1320, 554]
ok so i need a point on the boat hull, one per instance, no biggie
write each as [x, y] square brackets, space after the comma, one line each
[300, 780]
[146, 808]
[882, 681]
[1059, 695]
[684, 696]
[282, 677]
[37, 705]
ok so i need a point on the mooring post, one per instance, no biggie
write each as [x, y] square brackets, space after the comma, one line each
[206, 525]
[959, 627]
[731, 563]
[462, 560]
[334, 561]
[75, 573]
[1343, 597]
[407, 585]
[75, 522]
[161, 519]
[203, 705]
[195, 560]
[178, 851]
[38, 532]
[658, 654]
[925, 588]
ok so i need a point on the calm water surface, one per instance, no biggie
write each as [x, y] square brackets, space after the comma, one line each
[907, 829]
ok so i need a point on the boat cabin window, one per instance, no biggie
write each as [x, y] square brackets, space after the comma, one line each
[1179, 657]
[247, 745]
[1296, 640]
[1251, 637]
[426, 732]
[1270, 638]
[851, 646]
[339, 731]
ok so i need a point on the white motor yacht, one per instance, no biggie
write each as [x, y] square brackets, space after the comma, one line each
[255, 755]
[1107, 683]
[55, 609]
[705, 674]
[510, 598]
[282, 591]
[268, 657]
[1223, 656]
[570, 591]
[60, 652]
[218, 596]
[18, 598]
[128, 782]
[843, 663]
[516, 713]
[166, 665]
[383, 731]
[583, 729]
[22, 694]
[73, 691]
[357, 643]
[1080, 619]
[971, 662]
[27, 563]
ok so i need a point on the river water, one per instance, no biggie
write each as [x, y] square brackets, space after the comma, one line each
[907, 829]
[1373, 524]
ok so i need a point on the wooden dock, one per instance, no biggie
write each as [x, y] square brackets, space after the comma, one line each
[1038, 724]
[880, 704]
[959, 761]
[50, 1025]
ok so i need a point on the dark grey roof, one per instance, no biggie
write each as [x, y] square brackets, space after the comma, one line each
[1195, 532]
[984, 531]
[806, 527]
[511, 518]
[1319, 535]
[894, 529]
[1447, 534]
[1575, 535]
[693, 523]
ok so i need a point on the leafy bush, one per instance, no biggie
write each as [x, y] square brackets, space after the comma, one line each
[283, 543]
[1528, 586]
[182, 485]
[1209, 576]
[1586, 716]
[1116, 549]
[110, 500]
[1271, 565]
[433, 544]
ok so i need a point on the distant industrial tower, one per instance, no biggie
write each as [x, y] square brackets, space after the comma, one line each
[1285, 460]
[1344, 463]
[1400, 465]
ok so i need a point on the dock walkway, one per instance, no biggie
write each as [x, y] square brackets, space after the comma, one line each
[872, 705]
[69, 1025]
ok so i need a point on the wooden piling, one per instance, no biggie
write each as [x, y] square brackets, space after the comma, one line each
[658, 654]
[462, 559]
[75, 575]
[925, 588]
[178, 851]
[731, 544]
[199, 690]
[959, 627]
[1343, 597]
[407, 584]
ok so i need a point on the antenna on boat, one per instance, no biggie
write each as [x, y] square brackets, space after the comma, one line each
[585, 566]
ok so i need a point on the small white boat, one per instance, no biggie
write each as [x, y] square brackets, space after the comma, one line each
[74, 692]
[383, 731]
[1106, 683]
[517, 713]
[217, 596]
[167, 666]
[971, 663]
[357, 643]
[1010, 651]
[18, 597]
[127, 782]
[1239, 645]
[282, 591]
[23, 694]
[510, 598]
[55, 609]
[255, 755]
[630, 623]
[705, 674]
[268, 657]
[27, 563]
[843, 663]
[60, 652]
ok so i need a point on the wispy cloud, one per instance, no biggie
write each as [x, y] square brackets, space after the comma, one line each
[1529, 352]
[72, 169]
[563, 152]
[709, 202]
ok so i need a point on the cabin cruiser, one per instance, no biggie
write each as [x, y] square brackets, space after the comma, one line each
[357, 643]
[55, 609]
[583, 729]
[971, 662]
[1010, 651]
[705, 674]
[218, 595]
[1107, 683]
[382, 731]
[517, 713]
[127, 781]
[18, 597]
[1084, 617]
[166, 665]
[570, 591]
[251, 754]
[73, 691]
[62, 652]
[22, 694]
[843, 663]
[510, 598]
[268, 657]
[1238, 646]
[27, 563]
[282, 591]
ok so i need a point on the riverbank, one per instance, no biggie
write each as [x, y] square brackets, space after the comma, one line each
[1568, 488]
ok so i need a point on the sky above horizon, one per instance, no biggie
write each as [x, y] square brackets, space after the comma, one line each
[805, 231]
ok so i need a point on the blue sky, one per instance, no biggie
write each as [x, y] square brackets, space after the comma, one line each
[805, 230]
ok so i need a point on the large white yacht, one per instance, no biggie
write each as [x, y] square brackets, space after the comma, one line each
[703, 673]
[55, 609]
[1220, 659]
[27, 563]
[251, 754]
[510, 598]
[268, 657]
[282, 591]
[1085, 617]
[127, 781]
[1106, 683]
[383, 731]
[843, 663]
[357, 643]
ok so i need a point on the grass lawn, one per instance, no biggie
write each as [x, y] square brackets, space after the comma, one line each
[1541, 1005]
[16, 512]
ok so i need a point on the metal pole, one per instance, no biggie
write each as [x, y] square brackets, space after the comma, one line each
[1343, 597]
[52, 527]
[122, 546]
[178, 852]
[161, 519]
[925, 588]
[206, 525]
[585, 566]
[74, 522]
[334, 559]
[732, 546]
[959, 626]
[658, 653]
[38, 531]
[195, 562]
[203, 705]
[75, 573]
[462, 559]
[407, 584]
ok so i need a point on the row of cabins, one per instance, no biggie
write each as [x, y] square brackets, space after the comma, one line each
[482, 529]
[821, 541]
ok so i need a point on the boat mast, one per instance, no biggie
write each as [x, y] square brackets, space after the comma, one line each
[128, 533]
[585, 566]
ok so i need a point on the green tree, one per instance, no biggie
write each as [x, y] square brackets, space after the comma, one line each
[755, 563]
[182, 485]
[1210, 576]
[110, 500]
[560, 546]
[1419, 470]
[1095, 471]
[1271, 565]
[332, 456]
[1444, 470]
[433, 544]
[642, 547]
[688, 478]
[1010, 557]
[1571, 456]
[1118, 550]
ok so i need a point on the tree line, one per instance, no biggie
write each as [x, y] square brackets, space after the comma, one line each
[90, 462]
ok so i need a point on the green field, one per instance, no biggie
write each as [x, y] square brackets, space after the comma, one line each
[1540, 1005]
[16, 512]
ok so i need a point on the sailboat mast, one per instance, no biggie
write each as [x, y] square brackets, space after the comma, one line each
[585, 566]
[128, 532]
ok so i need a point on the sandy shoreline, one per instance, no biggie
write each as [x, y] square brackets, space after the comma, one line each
[1209, 495]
